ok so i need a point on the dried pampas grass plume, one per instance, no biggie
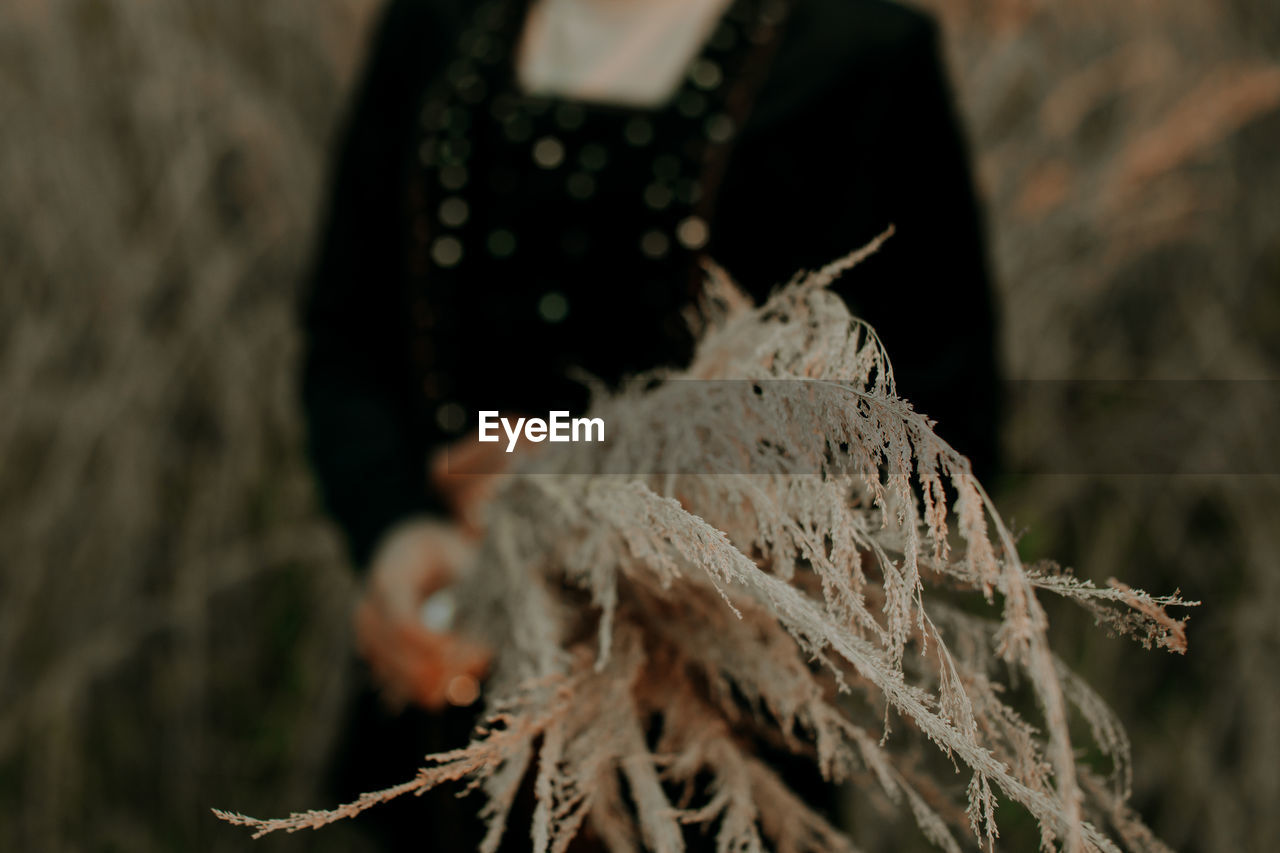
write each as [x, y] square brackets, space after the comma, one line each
[783, 555]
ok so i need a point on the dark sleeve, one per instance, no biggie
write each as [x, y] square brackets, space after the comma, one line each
[365, 434]
[929, 292]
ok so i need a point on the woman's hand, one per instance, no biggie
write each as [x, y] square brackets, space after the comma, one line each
[409, 661]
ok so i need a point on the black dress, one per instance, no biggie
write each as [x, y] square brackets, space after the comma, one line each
[480, 242]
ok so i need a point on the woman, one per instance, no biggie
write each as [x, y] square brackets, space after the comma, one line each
[526, 187]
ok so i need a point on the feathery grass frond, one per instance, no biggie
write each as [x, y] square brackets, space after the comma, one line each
[779, 553]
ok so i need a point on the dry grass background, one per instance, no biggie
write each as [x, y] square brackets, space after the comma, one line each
[172, 606]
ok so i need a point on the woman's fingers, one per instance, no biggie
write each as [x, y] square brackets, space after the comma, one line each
[412, 662]
[409, 661]
[435, 669]
[448, 673]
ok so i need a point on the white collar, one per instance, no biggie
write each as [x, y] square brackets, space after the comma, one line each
[630, 52]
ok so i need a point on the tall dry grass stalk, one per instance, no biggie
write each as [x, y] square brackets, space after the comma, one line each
[161, 166]
[654, 629]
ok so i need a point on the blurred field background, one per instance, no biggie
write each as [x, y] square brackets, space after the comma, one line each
[173, 608]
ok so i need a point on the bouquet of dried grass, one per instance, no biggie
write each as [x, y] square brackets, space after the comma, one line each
[788, 556]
